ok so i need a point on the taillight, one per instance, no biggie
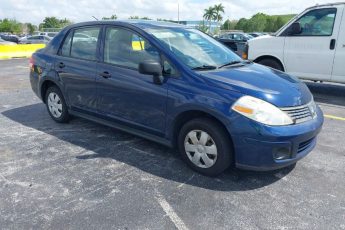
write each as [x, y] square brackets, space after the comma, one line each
[31, 62]
[245, 52]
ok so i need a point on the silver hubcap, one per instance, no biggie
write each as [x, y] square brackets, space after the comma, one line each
[54, 105]
[200, 148]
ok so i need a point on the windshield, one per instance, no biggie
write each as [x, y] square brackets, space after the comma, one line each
[248, 36]
[195, 48]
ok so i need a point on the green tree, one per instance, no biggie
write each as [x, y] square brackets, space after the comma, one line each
[270, 22]
[112, 17]
[137, 17]
[10, 25]
[218, 10]
[164, 20]
[278, 23]
[53, 22]
[209, 15]
[262, 22]
[50, 22]
[229, 25]
[29, 28]
[202, 27]
[242, 24]
[64, 22]
[257, 23]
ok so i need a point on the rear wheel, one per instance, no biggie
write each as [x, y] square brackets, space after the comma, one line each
[205, 146]
[56, 105]
[271, 63]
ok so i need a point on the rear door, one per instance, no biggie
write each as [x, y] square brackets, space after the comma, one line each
[76, 67]
[338, 74]
[310, 54]
[124, 94]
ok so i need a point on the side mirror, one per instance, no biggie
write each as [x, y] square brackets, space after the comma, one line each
[152, 68]
[295, 28]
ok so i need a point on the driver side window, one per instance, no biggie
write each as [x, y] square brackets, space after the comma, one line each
[318, 22]
[126, 48]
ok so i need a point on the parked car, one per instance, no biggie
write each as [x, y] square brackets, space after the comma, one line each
[39, 39]
[10, 38]
[236, 36]
[311, 46]
[3, 42]
[236, 41]
[48, 34]
[179, 87]
[255, 34]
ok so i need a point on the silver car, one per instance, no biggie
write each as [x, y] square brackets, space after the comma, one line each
[39, 39]
[3, 42]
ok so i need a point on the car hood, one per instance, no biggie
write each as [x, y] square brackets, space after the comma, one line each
[273, 86]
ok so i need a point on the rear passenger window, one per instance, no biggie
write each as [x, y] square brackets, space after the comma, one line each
[83, 44]
[66, 47]
[125, 48]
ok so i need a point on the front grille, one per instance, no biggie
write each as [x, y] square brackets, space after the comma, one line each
[299, 114]
[304, 145]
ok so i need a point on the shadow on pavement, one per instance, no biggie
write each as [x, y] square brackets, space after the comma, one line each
[105, 142]
[328, 93]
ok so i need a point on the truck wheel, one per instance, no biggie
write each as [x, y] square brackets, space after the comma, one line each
[56, 105]
[271, 63]
[205, 146]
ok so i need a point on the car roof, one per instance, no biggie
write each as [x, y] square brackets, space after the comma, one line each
[326, 4]
[142, 24]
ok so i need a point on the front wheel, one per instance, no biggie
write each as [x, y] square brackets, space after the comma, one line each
[271, 63]
[205, 146]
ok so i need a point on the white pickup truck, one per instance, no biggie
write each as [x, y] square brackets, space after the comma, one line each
[311, 46]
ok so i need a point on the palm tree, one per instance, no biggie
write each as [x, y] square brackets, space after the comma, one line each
[218, 9]
[209, 15]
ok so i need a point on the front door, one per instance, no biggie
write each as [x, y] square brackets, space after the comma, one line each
[310, 54]
[124, 94]
[338, 74]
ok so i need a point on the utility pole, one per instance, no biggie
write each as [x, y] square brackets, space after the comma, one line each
[178, 12]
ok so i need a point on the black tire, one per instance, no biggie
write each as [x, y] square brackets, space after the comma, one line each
[271, 63]
[220, 137]
[64, 117]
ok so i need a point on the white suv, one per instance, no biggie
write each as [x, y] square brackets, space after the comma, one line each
[310, 46]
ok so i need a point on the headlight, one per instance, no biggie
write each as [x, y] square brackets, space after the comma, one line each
[313, 108]
[261, 111]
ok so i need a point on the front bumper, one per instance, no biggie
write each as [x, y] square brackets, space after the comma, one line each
[256, 145]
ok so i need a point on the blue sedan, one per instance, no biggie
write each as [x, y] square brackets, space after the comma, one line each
[177, 86]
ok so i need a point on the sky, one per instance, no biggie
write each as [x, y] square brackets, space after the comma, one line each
[35, 11]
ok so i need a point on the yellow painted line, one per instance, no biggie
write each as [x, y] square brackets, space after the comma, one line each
[335, 117]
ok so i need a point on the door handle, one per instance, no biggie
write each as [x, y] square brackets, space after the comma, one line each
[61, 65]
[105, 74]
[332, 44]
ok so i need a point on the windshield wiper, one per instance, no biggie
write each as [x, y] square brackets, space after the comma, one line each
[230, 63]
[205, 67]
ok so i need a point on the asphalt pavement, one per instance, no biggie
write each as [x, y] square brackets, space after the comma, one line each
[83, 175]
